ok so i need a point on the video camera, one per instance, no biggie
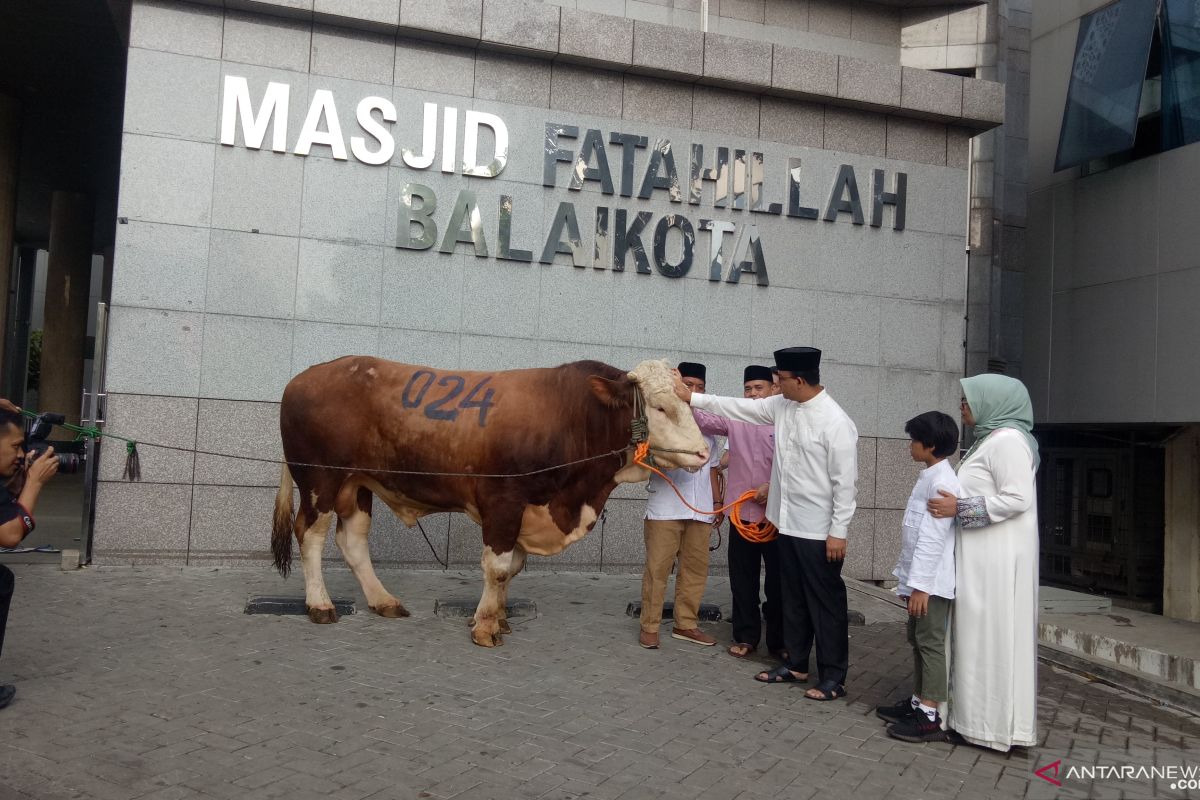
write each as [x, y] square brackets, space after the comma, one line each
[36, 444]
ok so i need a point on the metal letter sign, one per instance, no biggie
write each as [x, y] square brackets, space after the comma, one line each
[740, 178]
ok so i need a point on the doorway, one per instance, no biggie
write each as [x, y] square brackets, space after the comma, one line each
[1101, 518]
[62, 86]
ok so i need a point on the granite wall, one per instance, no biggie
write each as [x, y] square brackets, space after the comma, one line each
[236, 267]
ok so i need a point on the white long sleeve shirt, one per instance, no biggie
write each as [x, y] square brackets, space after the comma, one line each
[815, 468]
[927, 544]
[695, 486]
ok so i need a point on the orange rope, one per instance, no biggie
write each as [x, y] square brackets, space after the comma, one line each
[757, 532]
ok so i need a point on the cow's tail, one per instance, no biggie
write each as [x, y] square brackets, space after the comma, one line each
[282, 530]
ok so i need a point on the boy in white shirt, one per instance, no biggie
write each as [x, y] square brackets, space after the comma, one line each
[925, 572]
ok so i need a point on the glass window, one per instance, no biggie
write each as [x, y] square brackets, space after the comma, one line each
[1107, 76]
[1181, 73]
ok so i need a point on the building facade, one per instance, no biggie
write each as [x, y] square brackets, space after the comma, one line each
[1112, 282]
[494, 184]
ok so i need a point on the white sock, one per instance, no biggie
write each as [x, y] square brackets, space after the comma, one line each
[929, 711]
[915, 701]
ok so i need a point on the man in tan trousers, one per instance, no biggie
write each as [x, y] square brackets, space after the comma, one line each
[673, 533]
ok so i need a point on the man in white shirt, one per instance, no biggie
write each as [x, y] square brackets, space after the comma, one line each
[810, 502]
[675, 532]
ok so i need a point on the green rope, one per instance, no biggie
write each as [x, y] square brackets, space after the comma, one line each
[133, 466]
[81, 432]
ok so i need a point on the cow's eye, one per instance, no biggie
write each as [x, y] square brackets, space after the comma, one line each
[660, 409]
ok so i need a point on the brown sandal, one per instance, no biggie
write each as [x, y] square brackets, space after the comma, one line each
[748, 650]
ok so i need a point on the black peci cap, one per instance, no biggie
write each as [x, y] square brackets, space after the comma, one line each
[798, 359]
[756, 372]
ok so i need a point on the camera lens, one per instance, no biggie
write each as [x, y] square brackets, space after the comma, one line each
[68, 463]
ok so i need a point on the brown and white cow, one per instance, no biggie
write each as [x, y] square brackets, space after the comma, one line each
[371, 424]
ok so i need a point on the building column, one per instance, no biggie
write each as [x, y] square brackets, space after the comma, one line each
[68, 284]
[10, 141]
[15, 375]
[1181, 542]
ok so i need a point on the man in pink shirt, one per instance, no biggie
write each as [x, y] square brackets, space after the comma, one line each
[751, 450]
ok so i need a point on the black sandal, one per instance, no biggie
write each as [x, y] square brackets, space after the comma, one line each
[829, 691]
[780, 674]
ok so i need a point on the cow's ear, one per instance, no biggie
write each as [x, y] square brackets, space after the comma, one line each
[611, 393]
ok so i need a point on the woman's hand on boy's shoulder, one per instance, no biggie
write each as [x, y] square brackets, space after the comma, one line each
[944, 505]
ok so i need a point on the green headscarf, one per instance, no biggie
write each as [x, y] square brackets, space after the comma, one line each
[998, 401]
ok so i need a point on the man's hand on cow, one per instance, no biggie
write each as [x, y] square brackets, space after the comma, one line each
[835, 549]
[681, 389]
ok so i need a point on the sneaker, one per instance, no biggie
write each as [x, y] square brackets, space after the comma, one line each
[648, 640]
[897, 711]
[7, 692]
[918, 728]
[693, 635]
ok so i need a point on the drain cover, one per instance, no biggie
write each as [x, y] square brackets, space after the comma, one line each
[293, 605]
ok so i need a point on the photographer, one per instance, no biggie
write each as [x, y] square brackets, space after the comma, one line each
[23, 481]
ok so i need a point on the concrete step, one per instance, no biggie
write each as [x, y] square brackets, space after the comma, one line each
[1161, 650]
[1055, 600]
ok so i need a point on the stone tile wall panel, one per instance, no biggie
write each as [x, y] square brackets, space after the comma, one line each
[163, 266]
[266, 41]
[142, 523]
[521, 25]
[232, 433]
[151, 420]
[359, 56]
[730, 60]
[171, 367]
[589, 36]
[171, 95]
[165, 26]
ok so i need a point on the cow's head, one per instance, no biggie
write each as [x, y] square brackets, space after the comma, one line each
[675, 440]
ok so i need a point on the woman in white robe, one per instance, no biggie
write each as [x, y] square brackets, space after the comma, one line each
[993, 650]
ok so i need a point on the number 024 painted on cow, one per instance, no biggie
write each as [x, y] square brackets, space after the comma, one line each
[440, 408]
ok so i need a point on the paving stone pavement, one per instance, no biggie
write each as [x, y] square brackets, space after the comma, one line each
[151, 683]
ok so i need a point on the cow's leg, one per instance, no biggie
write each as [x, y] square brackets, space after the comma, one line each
[312, 528]
[518, 563]
[497, 570]
[354, 523]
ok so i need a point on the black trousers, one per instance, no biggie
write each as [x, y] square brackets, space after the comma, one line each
[814, 605]
[746, 560]
[6, 593]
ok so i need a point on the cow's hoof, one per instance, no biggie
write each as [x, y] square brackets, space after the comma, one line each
[322, 616]
[397, 611]
[503, 625]
[484, 639]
